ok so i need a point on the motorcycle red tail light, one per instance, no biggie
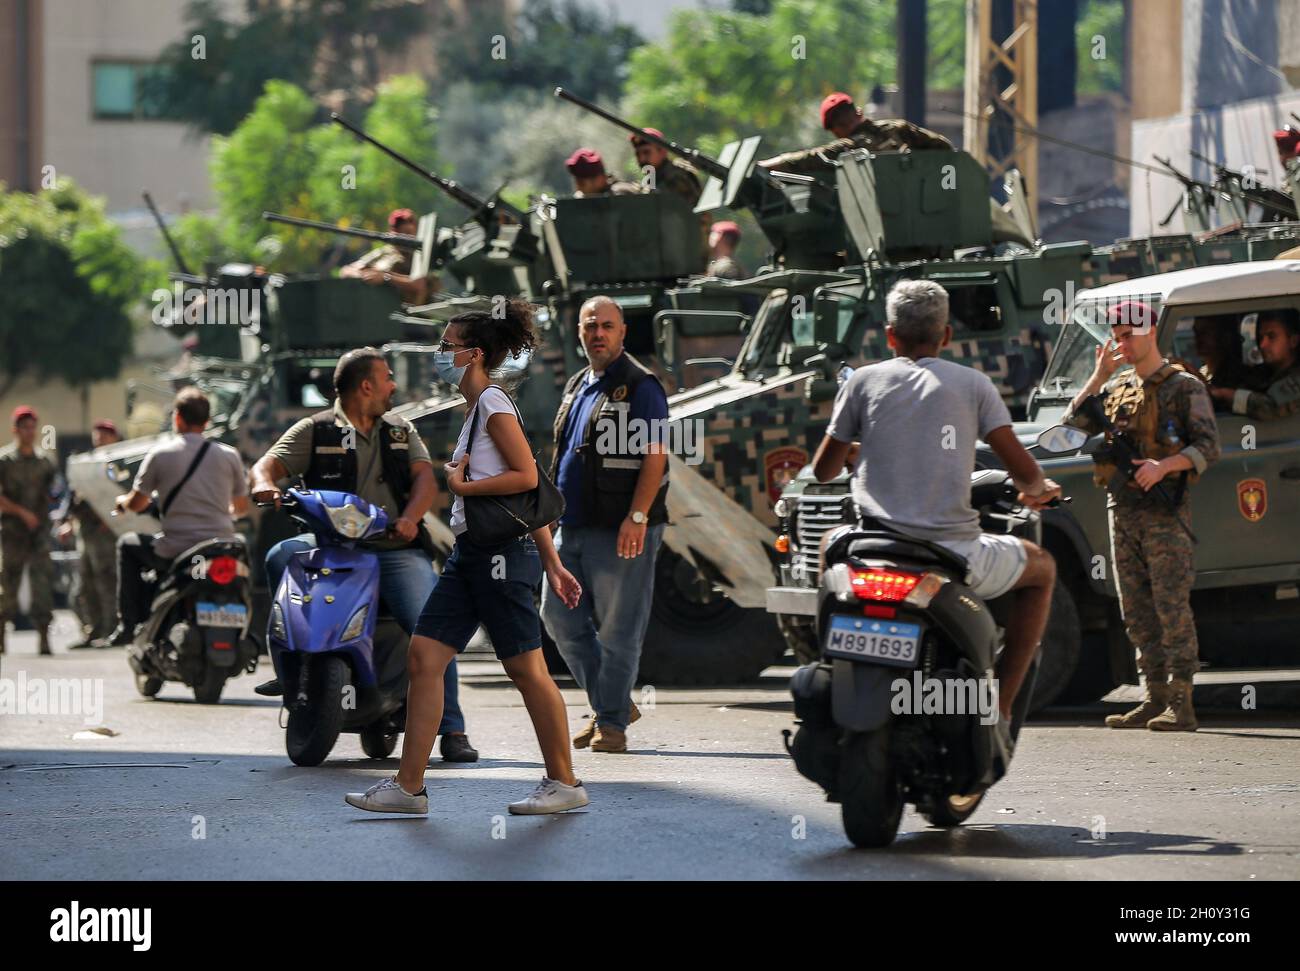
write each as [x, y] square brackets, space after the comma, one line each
[223, 569]
[889, 586]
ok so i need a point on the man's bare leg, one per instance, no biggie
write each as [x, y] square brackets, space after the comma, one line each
[1029, 613]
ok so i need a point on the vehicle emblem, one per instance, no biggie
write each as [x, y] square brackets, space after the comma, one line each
[1252, 499]
[780, 466]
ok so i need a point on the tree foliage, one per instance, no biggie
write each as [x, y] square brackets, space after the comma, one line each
[322, 45]
[67, 286]
[286, 157]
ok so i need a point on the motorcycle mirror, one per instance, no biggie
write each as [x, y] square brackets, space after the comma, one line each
[1060, 439]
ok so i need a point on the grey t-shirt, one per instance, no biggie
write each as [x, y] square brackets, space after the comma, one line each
[201, 510]
[918, 422]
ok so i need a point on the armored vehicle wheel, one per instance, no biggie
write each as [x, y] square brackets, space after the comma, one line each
[376, 744]
[1059, 656]
[697, 636]
[800, 636]
[871, 800]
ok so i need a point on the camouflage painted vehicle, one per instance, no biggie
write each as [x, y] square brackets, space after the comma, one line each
[1085, 651]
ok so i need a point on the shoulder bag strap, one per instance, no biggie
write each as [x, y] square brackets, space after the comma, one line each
[171, 496]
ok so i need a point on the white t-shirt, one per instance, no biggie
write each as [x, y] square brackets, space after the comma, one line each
[485, 460]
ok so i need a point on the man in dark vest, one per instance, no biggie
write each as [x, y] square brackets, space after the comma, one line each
[358, 447]
[612, 466]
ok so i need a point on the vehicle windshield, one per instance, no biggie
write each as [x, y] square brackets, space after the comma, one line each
[1076, 354]
[769, 316]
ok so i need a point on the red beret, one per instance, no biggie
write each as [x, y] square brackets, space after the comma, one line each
[1288, 141]
[23, 411]
[585, 162]
[636, 139]
[1132, 313]
[725, 226]
[104, 425]
[830, 103]
[398, 215]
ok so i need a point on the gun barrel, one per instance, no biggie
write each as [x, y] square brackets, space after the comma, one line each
[162, 228]
[397, 239]
[706, 164]
[452, 188]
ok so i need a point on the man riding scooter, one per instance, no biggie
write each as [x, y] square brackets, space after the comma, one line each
[357, 447]
[201, 491]
[917, 418]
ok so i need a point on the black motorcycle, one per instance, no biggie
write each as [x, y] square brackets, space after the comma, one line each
[198, 627]
[902, 708]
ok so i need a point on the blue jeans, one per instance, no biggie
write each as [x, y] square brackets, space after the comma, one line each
[616, 597]
[405, 582]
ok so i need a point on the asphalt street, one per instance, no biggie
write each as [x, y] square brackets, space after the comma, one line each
[185, 791]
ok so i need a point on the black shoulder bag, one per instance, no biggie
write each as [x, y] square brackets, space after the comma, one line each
[496, 520]
[171, 496]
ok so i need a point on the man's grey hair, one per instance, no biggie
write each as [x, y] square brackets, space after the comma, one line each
[918, 311]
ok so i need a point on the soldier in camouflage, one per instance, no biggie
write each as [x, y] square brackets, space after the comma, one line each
[391, 265]
[587, 168]
[724, 237]
[1278, 334]
[853, 129]
[1218, 345]
[671, 174]
[27, 476]
[1168, 413]
[97, 564]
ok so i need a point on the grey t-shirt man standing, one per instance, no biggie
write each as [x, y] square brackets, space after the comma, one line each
[917, 419]
[203, 508]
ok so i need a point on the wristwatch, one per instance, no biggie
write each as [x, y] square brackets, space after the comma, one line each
[637, 516]
[388, 278]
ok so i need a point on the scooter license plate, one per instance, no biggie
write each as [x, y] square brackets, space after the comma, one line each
[220, 615]
[878, 641]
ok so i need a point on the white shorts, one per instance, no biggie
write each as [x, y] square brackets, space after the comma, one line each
[993, 562]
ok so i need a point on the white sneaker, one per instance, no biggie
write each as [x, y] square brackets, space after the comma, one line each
[551, 797]
[388, 797]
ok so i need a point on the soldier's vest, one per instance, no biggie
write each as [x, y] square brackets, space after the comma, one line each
[609, 479]
[1134, 407]
[334, 466]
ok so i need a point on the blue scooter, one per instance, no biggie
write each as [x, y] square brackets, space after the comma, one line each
[343, 667]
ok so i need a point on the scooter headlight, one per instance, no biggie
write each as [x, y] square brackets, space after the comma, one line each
[349, 521]
[356, 625]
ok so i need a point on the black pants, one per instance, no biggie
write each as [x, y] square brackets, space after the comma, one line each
[135, 556]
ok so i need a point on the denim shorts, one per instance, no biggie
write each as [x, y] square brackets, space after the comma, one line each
[492, 586]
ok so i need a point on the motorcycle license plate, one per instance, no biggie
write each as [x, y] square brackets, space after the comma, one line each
[878, 641]
[220, 615]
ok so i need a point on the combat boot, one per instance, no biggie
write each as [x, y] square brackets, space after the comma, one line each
[3, 625]
[1179, 716]
[43, 636]
[1153, 703]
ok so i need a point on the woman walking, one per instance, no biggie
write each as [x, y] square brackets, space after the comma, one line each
[491, 586]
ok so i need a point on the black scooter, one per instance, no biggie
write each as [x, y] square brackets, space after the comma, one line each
[902, 708]
[198, 627]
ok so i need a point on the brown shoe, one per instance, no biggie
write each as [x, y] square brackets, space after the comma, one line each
[583, 738]
[609, 739]
[1153, 703]
[1179, 716]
